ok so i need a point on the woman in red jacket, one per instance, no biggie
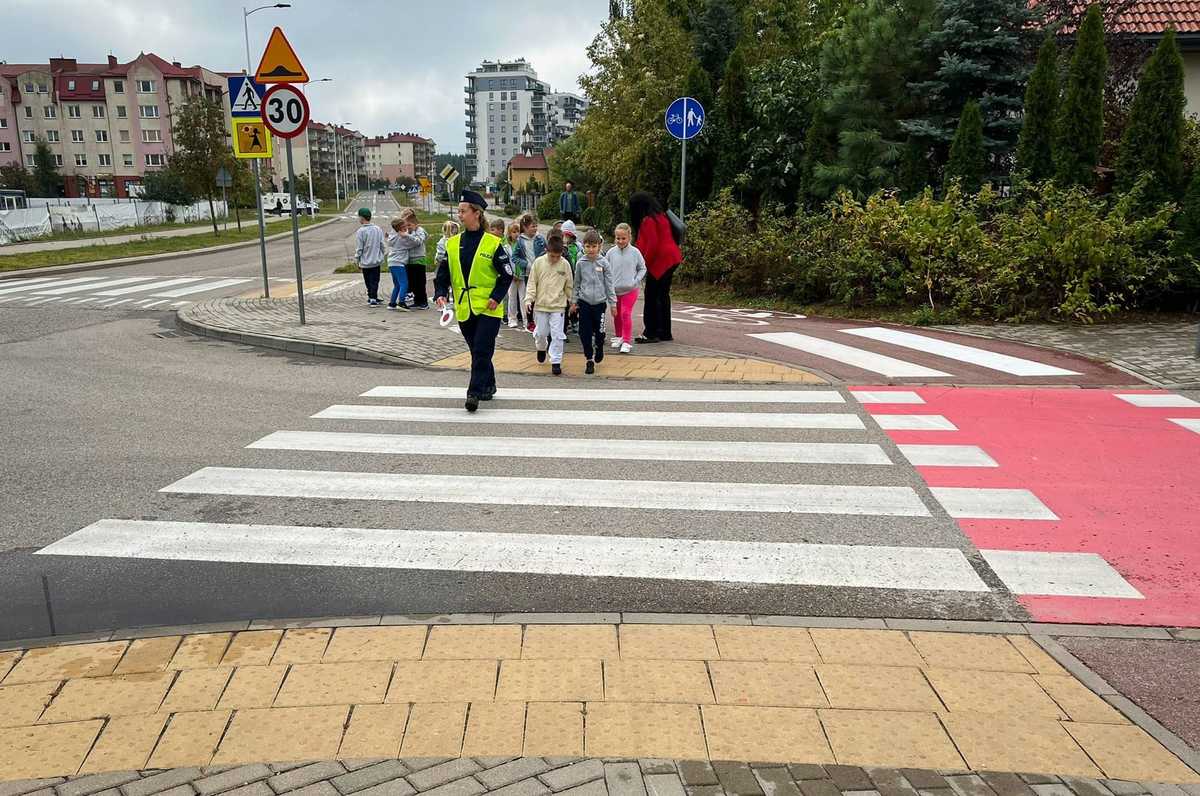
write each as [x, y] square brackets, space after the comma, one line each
[652, 230]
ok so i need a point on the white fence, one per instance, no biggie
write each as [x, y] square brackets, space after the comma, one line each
[46, 216]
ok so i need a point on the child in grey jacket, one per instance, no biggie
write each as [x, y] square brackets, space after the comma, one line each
[593, 295]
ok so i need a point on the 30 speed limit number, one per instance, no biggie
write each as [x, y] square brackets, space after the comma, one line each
[285, 110]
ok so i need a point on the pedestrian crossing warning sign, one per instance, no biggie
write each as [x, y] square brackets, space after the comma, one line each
[251, 139]
[279, 63]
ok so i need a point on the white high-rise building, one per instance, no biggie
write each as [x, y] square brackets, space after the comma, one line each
[567, 112]
[502, 97]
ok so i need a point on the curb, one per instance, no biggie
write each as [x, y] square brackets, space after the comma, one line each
[52, 270]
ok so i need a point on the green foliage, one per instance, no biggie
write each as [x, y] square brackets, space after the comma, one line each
[968, 158]
[201, 149]
[168, 185]
[1035, 154]
[732, 118]
[714, 37]
[47, 181]
[1080, 128]
[15, 177]
[1186, 246]
[1152, 141]
[547, 209]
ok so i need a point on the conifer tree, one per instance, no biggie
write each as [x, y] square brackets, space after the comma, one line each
[968, 157]
[1079, 131]
[1035, 152]
[1151, 143]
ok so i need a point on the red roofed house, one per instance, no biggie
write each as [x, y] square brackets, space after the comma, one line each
[106, 124]
[523, 168]
[399, 155]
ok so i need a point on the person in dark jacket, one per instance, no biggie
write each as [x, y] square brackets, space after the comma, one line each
[652, 231]
[568, 203]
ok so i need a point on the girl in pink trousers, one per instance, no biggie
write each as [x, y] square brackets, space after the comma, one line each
[628, 269]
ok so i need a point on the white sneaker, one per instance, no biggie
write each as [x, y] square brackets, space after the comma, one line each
[626, 348]
[512, 324]
[616, 343]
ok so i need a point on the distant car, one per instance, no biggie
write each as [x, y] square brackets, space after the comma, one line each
[381, 192]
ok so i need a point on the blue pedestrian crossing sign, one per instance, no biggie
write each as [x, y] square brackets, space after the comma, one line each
[245, 97]
[685, 118]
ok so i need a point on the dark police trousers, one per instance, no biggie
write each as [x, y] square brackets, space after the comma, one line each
[480, 333]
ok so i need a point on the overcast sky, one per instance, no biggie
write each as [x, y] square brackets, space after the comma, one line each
[393, 68]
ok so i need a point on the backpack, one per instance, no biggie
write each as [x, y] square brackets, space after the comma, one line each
[678, 227]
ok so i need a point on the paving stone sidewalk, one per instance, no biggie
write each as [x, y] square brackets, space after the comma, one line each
[1164, 354]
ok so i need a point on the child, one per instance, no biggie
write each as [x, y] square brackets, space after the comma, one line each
[548, 293]
[516, 294]
[417, 260]
[530, 247]
[398, 263]
[369, 252]
[628, 269]
[593, 294]
[449, 230]
[572, 251]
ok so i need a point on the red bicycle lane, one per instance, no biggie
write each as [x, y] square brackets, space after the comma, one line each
[1121, 478]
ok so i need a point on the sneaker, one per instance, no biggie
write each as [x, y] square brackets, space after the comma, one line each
[541, 356]
[556, 369]
[391, 306]
[600, 353]
[645, 339]
[472, 403]
[402, 307]
[420, 306]
[626, 348]
[590, 367]
[616, 343]
[372, 302]
[513, 324]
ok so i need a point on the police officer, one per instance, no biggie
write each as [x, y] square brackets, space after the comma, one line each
[478, 268]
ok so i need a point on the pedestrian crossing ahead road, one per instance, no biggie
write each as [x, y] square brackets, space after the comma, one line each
[144, 292]
[792, 488]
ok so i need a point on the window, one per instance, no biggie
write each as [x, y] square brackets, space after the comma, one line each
[29, 161]
[151, 136]
[491, 95]
[50, 112]
[106, 160]
[121, 112]
[127, 159]
[493, 151]
[504, 140]
[156, 160]
[95, 85]
[97, 111]
[148, 111]
[52, 136]
[28, 88]
[80, 159]
[42, 89]
[27, 136]
[118, 86]
[77, 136]
[124, 136]
[70, 85]
[504, 117]
[58, 160]
[73, 111]
[28, 112]
[145, 86]
[102, 136]
[3, 124]
[5, 146]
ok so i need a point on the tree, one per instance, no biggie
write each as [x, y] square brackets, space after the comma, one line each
[46, 178]
[701, 148]
[15, 177]
[1152, 140]
[167, 185]
[731, 120]
[968, 153]
[1186, 245]
[199, 132]
[1035, 152]
[715, 35]
[1079, 131]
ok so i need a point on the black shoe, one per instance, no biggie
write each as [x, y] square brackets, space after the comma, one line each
[488, 394]
[541, 356]
[556, 369]
[600, 351]
[472, 403]
[644, 339]
[590, 367]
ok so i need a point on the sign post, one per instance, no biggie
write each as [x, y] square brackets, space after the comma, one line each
[685, 119]
[224, 180]
[285, 112]
[245, 103]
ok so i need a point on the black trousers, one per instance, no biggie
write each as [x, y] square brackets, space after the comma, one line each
[656, 310]
[416, 283]
[480, 333]
[371, 278]
[591, 327]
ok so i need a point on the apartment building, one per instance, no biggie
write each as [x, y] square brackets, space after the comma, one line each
[106, 124]
[399, 155]
[502, 98]
[566, 112]
[328, 151]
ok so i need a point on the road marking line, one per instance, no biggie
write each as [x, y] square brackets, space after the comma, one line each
[34, 301]
[914, 423]
[638, 396]
[973, 503]
[154, 304]
[28, 285]
[887, 501]
[144, 302]
[947, 456]
[62, 291]
[200, 288]
[567, 448]
[1155, 400]
[183, 280]
[849, 566]
[16, 283]
[1058, 574]
[1190, 423]
[961, 353]
[573, 417]
[118, 301]
[849, 355]
[887, 397]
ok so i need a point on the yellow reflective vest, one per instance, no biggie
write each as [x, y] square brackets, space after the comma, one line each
[472, 299]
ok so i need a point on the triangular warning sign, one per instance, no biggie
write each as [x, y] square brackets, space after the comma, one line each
[279, 63]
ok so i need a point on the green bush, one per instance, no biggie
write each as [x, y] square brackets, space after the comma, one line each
[547, 209]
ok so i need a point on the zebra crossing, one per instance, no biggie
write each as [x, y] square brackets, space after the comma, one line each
[145, 292]
[855, 479]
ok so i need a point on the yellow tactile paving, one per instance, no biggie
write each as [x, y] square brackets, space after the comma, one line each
[874, 647]
[560, 642]
[550, 681]
[51, 750]
[877, 688]
[23, 704]
[769, 684]
[200, 651]
[474, 642]
[643, 730]
[100, 697]
[1127, 752]
[146, 655]
[991, 742]
[125, 744]
[741, 643]
[252, 648]
[992, 692]
[443, 681]
[309, 733]
[364, 682]
[554, 726]
[376, 644]
[1078, 702]
[638, 366]
[374, 731]
[1038, 658]
[253, 687]
[495, 729]
[668, 642]
[60, 663]
[889, 739]
[967, 651]
[7, 661]
[196, 689]
[189, 739]
[302, 645]
[657, 681]
[754, 733]
[435, 730]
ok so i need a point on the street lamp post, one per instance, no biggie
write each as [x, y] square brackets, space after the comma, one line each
[262, 224]
[308, 144]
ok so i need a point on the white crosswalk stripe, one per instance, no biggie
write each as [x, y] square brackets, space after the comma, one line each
[182, 280]
[58, 290]
[201, 288]
[140, 292]
[962, 353]
[637, 396]
[913, 423]
[1158, 400]
[1190, 423]
[37, 284]
[849, 355]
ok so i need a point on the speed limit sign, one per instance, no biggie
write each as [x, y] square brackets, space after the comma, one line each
[285, 110]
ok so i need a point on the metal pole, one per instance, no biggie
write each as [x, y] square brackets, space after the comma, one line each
[225, 201]
[337, 180]
[295, 232]
[308, 148]
[262, 224]
[682, 176]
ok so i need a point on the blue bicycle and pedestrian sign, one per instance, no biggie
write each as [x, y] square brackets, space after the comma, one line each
[685, 118]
